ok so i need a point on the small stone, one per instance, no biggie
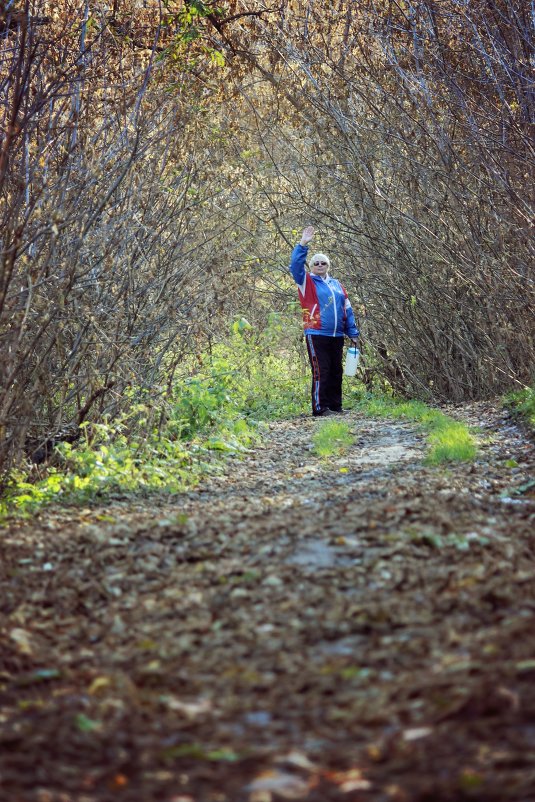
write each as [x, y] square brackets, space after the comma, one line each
[239, 593]
[273, 581]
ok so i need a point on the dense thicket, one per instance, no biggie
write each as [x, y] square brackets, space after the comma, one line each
[100, 274]
[403, 131]
[157, 162]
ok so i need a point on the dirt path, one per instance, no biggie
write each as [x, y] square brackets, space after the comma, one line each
[357, 630]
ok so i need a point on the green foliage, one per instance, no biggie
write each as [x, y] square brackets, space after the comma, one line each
[450, 440]
[85, 724]
[211, 413]
[189, 22]
[522, 403]
[199, 752]
[332, 437]
[107, 461]
[262, 369]
[197, 404]
[166, 443]
[117, 458]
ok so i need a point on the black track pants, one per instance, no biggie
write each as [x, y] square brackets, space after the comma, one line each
[325, 354]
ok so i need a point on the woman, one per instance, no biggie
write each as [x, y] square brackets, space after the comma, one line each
[327, 317]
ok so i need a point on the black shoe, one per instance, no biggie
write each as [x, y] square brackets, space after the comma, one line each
[339, 411]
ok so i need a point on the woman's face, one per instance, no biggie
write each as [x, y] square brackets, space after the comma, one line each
[320, 267]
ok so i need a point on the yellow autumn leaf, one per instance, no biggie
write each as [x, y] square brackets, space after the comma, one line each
[98, 684]
[23, 640]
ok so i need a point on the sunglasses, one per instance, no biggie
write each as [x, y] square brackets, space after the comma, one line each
[323, 264]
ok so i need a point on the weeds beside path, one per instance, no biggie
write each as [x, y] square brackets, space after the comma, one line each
[354, 629]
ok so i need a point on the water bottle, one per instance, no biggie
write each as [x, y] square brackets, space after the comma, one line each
[352, 361]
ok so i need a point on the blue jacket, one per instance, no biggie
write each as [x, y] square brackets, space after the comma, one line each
[326, 307]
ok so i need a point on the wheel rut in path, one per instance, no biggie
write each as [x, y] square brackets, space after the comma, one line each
[358, 628]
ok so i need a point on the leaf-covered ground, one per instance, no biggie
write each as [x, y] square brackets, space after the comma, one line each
[358, 629]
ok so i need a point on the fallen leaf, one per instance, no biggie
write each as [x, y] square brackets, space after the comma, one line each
[289, 786]
[98, 684]
[416, 733]
[23, 640]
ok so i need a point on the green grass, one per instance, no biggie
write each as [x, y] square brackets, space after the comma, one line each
[332, 438]
[449, 440]
[522, 403]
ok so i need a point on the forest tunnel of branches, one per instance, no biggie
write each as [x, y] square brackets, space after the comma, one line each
[159, 159]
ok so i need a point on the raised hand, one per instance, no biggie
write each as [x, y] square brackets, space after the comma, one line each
[307, 235]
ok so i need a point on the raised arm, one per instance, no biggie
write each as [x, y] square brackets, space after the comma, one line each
[299, 255]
